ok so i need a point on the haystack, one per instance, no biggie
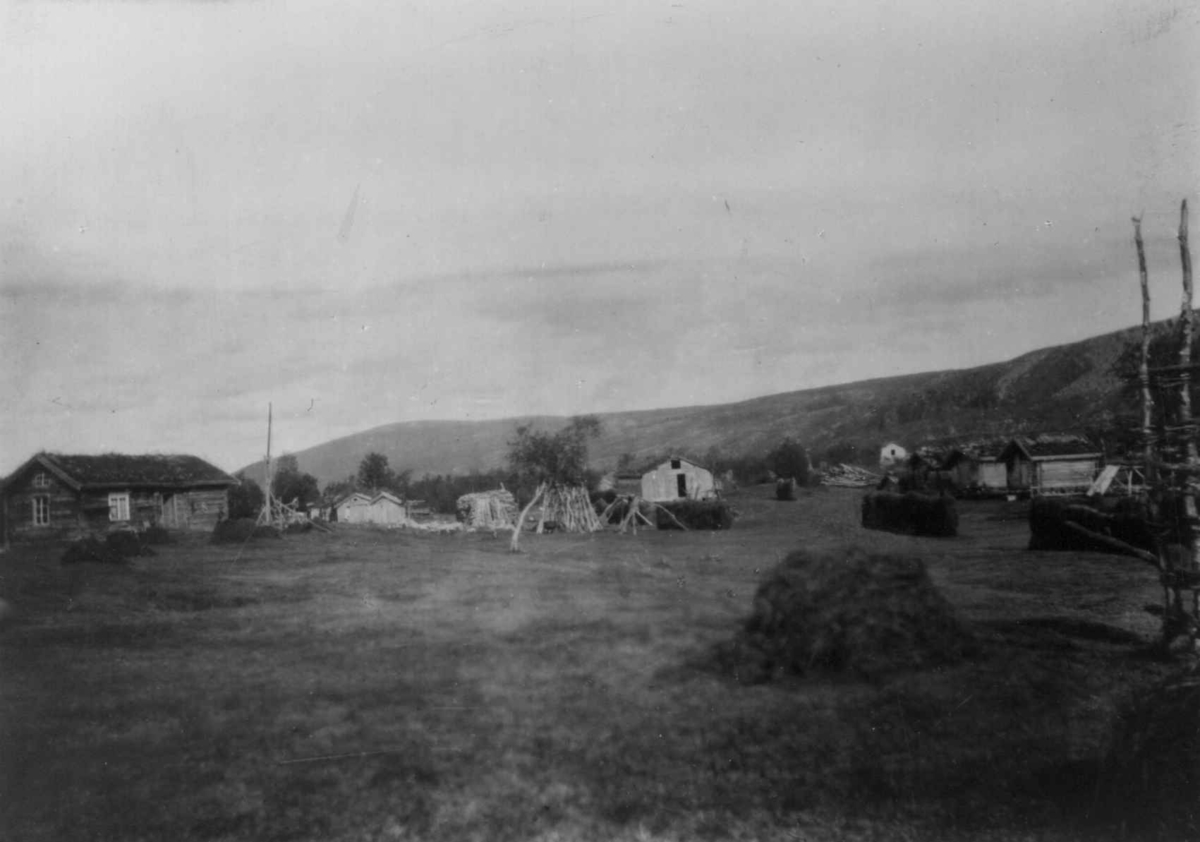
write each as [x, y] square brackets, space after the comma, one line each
[488, 509]
[850, 612]
[1151, 778]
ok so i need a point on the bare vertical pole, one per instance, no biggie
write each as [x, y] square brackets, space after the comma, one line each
[1144, 367]
[1185, 393]
[267, 516]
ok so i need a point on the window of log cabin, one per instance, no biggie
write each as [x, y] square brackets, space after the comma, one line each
[118, 506]
[675, 465]
[41, 480]
[41, 511]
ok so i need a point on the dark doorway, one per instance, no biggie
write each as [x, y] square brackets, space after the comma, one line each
[681, 482]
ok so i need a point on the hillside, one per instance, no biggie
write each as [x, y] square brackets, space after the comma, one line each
[1065, 387]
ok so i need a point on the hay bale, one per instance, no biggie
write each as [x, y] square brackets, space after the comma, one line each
[1151, 778]
[910, 513]
[241, 530]
[856, 613]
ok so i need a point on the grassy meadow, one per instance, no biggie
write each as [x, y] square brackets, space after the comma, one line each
[372, 685]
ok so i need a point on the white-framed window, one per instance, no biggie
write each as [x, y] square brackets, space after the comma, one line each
[41, 511]
[118, 506]
[41, 480]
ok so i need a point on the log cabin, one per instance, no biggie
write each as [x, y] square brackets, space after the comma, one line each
[56, 496]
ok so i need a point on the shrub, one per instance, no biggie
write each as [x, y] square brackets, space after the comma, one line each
[785, 489]
[157, 535]
[854, 612]
[695, 514]
[911, 513]
[92, 549]
[128, 544]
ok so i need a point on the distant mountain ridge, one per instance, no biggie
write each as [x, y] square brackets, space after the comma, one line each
[1073, 387]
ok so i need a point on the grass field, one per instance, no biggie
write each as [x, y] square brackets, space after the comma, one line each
[382, 685]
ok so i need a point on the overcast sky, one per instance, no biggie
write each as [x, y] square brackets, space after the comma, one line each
[367, 212]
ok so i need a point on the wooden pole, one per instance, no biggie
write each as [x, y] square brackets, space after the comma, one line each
[1187, 318]
[266, 517]
[1144, 368]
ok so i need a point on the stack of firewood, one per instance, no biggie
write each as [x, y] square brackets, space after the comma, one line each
[848, 476]
[570, 510]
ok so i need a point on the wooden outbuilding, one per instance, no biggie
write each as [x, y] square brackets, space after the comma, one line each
[388, 509]
[353, 508]
[56, 496]
[1051, 464]
[977, 468]
[678, 479]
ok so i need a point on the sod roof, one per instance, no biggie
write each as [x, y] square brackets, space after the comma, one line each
[119, 469]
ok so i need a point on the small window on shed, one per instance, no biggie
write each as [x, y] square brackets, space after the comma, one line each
[676, 464]
[41, 480]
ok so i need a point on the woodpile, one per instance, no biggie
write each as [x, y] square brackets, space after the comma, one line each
[848, 476]
[568, 509]
[910, 514]
[854, 612]
[488, 509]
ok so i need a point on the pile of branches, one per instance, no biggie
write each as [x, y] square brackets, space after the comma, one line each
[910, 514]
[848, 476]
[850, 612]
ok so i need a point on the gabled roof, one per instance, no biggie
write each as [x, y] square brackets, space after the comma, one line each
[1051, 446]
[660, 462]
[362, 498]
[111, 470]
[387, 495]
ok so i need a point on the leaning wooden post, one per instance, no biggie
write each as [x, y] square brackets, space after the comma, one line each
[1144, 367]
[515, 545]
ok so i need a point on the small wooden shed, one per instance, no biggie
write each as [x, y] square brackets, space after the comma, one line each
[1051, 464]
[388, 509]
[353, 508]
[677, 479]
